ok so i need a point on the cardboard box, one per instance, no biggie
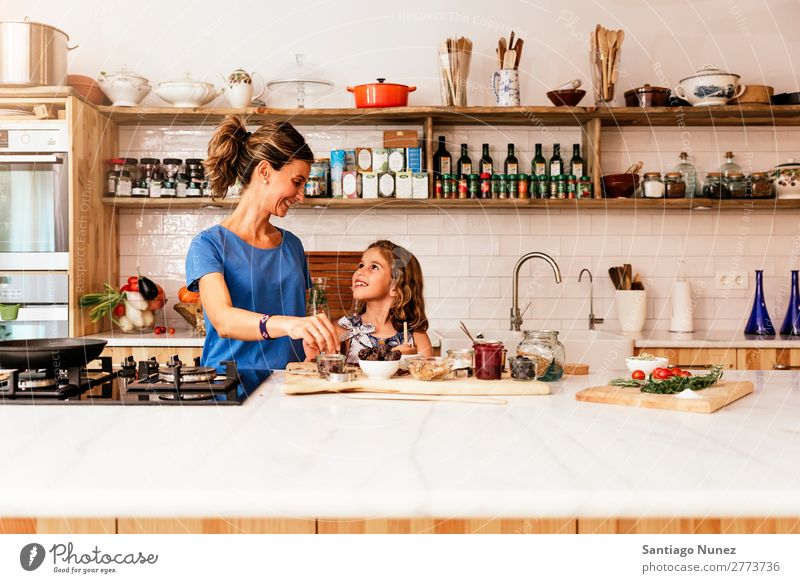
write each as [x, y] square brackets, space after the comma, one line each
[400, 139]
[403, 185]
[414, 160]
[419, 185]
[397, 160]
[380, 160]
[369, 185]
[350, 185]
[386, 185]
[364, 159]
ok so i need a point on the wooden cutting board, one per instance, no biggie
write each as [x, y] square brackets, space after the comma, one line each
[301, 378]
[710, 399]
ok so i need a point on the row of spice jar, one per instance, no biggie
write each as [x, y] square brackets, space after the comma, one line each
[152, 177]
[522, 186]
[718, 185]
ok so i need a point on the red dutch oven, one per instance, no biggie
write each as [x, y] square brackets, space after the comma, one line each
[381, 94]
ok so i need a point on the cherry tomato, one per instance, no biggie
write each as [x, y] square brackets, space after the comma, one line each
[133, 286]
[119, 310]
[685, 373]
[133, 279]
[171, 330]
[157, 330]
[662, 374]
[675, 370]
[125, 288]
[638, 375]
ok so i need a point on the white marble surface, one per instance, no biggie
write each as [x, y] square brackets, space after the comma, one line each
[709, 339]
[180, 338]
[331, 456]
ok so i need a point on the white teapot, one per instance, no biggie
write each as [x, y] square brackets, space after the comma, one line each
[238, 88]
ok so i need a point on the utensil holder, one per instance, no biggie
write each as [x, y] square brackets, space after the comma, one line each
[505, 87]
[631, 309]
[601, 80]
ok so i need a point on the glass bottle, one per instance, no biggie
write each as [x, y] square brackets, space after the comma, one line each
[556, 163]
[759, 323]
[791, 323]
[576, 163]
[318, 297]
[539, 165]
[547, 352]
[689, 175]
[464, 162]
[441, 159]
[487, 166]
[730, 167]
[511, 166]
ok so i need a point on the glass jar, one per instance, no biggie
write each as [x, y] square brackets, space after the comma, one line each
[194, 189]
[653, 186]
[674, 185]
[523, 368]
[463, 362]
[463, 187]
[561, 186]
[473, 186]
[148, 167]
[489, 360]
[730, 167]
[714, 186]
[181, 185]
[543, 186]
[686, 168]
[438, 187]
[585, 187]
[139, 188]
[169, 188]
[522, 186]
[736, 184]
[330, 364]
[572, 187]
[112, 179]
[495, 186]
[318, 297]
[486, 185]
[124, 183]
[503, 178]
[195, 171]
[513, 181]
[548, 354]
[170, 168]
[761, 185]
[447, 186]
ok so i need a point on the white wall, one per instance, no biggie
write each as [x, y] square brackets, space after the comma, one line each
[357, 41]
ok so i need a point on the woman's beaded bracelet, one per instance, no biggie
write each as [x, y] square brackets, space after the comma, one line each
[262, 327]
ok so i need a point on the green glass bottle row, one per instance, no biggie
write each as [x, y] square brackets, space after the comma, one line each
[520, 186]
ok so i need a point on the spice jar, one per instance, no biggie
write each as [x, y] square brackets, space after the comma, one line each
[488, 359]
[544, 348]
[170, 168]
[124, 183]
[585, 187]
[463, 188]
[194, 189]
[653, 186]
[486, 185]
[714, 187]
[503, 185]
[522, 186]
[139, 188]
[736, 184]
[148, 168]
[572, 187]
[495, 185]
[463, 362]
[542, 186]
[761, 185]
[438, 187]
[674, 185]
[513, 181]
[561, 186]
[181, 185]
[112, 179]
[447, 186]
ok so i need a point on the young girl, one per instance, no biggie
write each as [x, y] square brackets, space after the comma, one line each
[387, 289]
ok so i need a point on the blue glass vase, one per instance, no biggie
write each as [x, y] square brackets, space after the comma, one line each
[759, 323]
[791, 323]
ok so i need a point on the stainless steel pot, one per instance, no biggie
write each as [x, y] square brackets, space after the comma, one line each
[32, 54]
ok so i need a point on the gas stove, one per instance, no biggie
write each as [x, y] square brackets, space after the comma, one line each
[147, 382]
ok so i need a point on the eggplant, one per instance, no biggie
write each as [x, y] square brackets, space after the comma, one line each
[147, 288]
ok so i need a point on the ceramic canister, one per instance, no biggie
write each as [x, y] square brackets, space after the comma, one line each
[505, 86]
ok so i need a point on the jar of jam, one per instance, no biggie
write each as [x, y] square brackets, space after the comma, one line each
[489, 359]
[674, 185]
[761, 185]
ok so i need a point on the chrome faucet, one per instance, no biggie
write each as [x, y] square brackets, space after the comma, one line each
[516, 316]
[592, 319]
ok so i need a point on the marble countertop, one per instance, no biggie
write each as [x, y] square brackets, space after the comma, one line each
[333, 456]
[708, 339]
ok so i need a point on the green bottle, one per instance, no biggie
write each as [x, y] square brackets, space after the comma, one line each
[539, 165]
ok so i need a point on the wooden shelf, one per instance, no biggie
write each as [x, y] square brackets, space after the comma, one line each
[723, 115]
[611, 204]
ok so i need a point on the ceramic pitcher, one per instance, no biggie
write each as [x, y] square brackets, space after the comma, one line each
[505, 86]
[239, 90]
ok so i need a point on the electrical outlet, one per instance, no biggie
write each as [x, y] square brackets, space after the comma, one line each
[731, 280]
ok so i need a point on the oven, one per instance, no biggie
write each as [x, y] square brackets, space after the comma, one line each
[34, 195]
[33, 305]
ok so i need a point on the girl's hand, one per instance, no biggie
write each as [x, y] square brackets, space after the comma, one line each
[317, 332]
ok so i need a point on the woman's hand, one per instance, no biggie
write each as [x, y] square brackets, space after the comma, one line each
[316, 331]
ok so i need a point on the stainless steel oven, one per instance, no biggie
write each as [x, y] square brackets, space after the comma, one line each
[34, 195]
[33, 305]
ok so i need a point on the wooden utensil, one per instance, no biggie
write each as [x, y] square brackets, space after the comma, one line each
[602, 44]
[518, 51]
[511, 57]
[626, 276]
[613, 273]
[612, 44]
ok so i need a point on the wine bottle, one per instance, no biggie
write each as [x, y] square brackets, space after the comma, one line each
[576, 163]
[464, 163]
[486, 161]
[441, 160]
[556, 163]
[539, 166]
[511, 166]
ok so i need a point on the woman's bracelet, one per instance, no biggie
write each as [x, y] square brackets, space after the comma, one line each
[262, 327]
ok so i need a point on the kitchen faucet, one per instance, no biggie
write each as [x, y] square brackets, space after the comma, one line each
[516, 316]
[592, 319]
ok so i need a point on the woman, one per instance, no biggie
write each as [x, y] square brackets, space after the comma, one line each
[252, 276]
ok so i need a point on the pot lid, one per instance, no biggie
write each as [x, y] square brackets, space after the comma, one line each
[186, 80]
[123, 72]
[27, 20]
[708, 70]
[788, 163]
[381, 81]
[647, 88]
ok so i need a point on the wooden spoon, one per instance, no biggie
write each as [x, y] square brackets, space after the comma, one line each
[612, 45]
[613, 273]
[602, 43]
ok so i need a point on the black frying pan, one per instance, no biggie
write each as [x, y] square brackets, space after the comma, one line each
[50, 353]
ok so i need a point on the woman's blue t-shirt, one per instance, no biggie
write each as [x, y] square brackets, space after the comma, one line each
[265, 281]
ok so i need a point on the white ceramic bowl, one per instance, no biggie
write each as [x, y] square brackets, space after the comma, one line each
[186, 92]
[124, 88]
[379, 369]
[646, 366]
[786, 178]
[709, 86]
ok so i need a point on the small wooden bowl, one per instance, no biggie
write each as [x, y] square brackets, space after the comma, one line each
[758, 94]
[568, 97]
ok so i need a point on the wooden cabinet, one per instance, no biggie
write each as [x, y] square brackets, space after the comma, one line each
[689, 526]
[187, 354]
[695, 357]
[448, 526]
[58, 525]
[767, 358]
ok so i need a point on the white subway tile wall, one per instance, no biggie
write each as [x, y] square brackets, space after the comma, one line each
[468, 256]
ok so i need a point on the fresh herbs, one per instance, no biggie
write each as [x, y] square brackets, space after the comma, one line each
[673, 385]
[102, 303]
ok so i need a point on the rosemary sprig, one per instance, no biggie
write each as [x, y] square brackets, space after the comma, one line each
[672, 385]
